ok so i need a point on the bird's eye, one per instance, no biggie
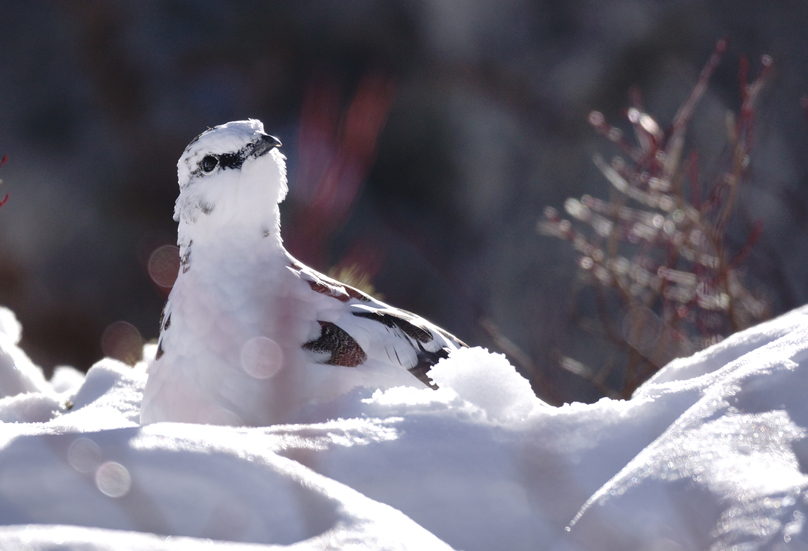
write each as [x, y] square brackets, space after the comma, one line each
[208, 163]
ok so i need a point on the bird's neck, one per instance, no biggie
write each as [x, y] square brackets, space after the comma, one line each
[241, 238]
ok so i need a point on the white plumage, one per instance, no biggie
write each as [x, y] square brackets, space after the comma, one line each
[249, 336]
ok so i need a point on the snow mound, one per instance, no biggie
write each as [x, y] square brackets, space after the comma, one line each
[66, 379]
[489, 382]
[9, 326]
[90, 476]
[17, 373]
[710, 454]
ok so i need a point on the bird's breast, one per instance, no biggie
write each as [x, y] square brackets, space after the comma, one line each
[233, 340]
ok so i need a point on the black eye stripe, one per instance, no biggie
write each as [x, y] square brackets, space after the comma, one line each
[225, 160]
[232, 160]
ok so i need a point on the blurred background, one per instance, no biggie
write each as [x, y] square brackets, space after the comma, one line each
[423, 137]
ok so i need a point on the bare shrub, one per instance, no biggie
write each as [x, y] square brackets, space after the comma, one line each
[654, 255]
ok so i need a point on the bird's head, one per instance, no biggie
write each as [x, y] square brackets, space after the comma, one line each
[231, 175]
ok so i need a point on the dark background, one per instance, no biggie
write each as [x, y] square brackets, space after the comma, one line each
[487, 124]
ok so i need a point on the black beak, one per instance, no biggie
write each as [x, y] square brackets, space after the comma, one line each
[263, 145]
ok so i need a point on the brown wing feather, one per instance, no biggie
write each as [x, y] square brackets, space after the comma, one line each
[343, 349]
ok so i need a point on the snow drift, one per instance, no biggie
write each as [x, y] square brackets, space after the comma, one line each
[710, 454]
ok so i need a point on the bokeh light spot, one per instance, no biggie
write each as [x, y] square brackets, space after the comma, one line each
[261, 357]
[113, 479]
[164, 265]
[122, 341]
[84, 455]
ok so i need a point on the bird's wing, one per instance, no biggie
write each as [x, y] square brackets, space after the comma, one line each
[356, 328]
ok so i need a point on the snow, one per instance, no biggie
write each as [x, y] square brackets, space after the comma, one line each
[17, 373]
[709, 454]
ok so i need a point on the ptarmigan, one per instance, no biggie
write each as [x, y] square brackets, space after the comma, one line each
[249, 335]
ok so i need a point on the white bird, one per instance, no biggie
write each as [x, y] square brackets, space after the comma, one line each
[249, 335]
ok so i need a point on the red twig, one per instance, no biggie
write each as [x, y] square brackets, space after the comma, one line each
[673, 148]
[684, 113]
[746, 118]
[754, 235]
[743, 75]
